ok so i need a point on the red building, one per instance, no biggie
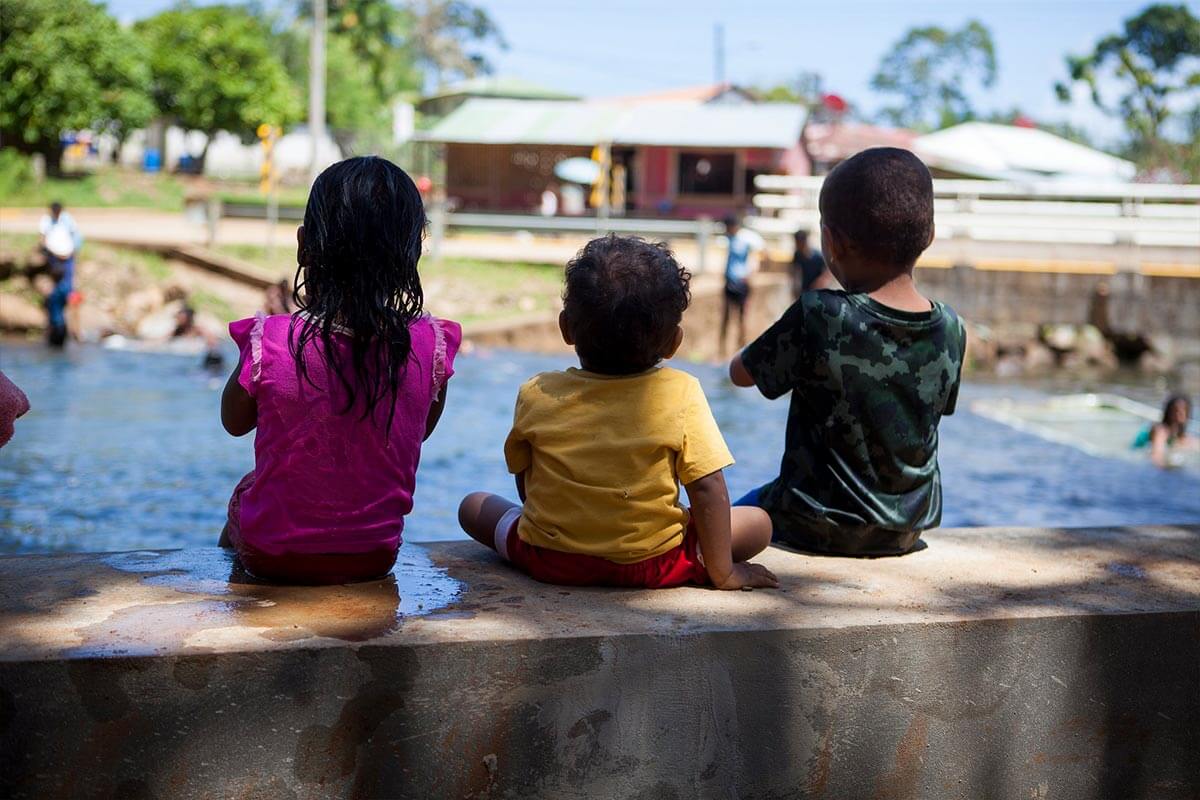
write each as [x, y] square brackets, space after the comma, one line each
[686, 153]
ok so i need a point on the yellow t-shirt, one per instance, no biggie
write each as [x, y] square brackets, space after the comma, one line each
[603, 457]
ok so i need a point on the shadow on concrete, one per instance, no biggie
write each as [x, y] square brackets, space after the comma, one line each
[994, 664]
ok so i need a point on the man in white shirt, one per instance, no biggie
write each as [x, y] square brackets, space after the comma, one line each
[745, 246]
[59, 241]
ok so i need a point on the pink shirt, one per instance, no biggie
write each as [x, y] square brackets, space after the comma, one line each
[326, 481]
[13, 403]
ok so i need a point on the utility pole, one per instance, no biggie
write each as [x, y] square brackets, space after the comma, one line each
[719, 52]
[316, 88]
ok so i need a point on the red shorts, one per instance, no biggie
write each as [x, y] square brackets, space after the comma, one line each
[303, 568]
[677, 567]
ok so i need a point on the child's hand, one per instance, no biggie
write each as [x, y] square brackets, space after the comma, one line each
[746, 575]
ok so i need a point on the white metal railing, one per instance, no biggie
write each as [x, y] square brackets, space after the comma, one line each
[1069, 190]
[1155, 215]
[702, 229]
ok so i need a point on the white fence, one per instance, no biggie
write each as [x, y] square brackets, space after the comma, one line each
[1139, 215]
[702, 230]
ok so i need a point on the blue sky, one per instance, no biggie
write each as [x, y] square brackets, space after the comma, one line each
[620, 47]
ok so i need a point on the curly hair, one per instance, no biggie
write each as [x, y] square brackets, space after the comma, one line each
[357, 273]
[623, 299]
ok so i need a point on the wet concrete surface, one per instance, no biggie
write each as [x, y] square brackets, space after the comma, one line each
[993, 663]
[200, 600]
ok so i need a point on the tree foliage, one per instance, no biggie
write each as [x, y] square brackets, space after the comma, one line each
[446, 36]
[806, 89]
[357, 110]
[1146, 75]
[217, 68]
[376, 35]
[66, 64]
[929, 70]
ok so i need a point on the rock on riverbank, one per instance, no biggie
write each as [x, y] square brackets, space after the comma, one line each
[120, 291]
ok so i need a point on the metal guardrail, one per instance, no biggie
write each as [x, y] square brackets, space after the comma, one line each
[440, 221]
[1068, 212]
[702, 229]
[1069, 190]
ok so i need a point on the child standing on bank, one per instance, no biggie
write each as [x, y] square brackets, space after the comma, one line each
[871, 369]
[599, 452]
[342, 392]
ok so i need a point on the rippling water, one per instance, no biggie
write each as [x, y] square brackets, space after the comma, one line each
[125, 451]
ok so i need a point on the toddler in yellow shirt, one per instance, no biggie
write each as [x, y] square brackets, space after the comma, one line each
[599, 452]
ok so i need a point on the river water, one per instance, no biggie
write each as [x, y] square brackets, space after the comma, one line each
[125, 451]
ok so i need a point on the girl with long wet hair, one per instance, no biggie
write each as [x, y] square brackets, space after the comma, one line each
[1169, 439]
[342, 392]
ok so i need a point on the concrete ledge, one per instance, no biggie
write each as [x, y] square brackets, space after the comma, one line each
[995, 663]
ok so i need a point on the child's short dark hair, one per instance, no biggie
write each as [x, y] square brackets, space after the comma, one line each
[882, 200]
[624, 298]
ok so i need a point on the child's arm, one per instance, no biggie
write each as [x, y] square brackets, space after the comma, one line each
[710, 512]
[239, 411]
[1158, 446]
[435, 412]
[776, 362]
[738, 372]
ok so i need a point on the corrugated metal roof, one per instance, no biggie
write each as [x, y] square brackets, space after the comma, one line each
[682, 124]
[1008, 152]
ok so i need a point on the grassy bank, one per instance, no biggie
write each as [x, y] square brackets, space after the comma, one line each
[110, 187]
[467, 290]
[117, 187]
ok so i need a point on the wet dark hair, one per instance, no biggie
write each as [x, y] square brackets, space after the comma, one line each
[363, 227]
[1171, 401]
[624, 298]
[881, 200]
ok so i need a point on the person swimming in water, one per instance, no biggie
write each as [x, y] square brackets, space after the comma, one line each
[1169, 436]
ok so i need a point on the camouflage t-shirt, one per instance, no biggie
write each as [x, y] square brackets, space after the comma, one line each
[869, 384]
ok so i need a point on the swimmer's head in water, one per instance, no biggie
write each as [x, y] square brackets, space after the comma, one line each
[876, 216]
[357, 270]
[1177, 412]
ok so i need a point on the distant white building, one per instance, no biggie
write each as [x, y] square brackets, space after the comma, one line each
[1014, 153]
[229, 157]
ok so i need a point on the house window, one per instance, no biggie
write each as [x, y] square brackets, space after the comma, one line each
[706, 173]
[751, 174]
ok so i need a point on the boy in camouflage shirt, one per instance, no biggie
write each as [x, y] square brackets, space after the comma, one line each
[871, 369]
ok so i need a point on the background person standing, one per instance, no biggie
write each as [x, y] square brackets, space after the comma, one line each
[59, 241]
[745, 246]
[808, 267]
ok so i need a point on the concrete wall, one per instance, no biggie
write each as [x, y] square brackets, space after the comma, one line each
[994, 663]
[701, 322]
[1141, 303]
[1149, 305]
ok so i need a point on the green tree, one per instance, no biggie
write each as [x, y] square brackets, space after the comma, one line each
[806, 89]
[377, 32]
[357, 109]
[446, 36]
[66, 64]
[1146, 75]
[929, 70]
[216, 68]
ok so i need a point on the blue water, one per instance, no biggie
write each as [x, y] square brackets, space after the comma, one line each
[125, 451]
